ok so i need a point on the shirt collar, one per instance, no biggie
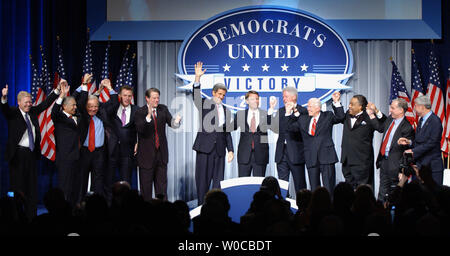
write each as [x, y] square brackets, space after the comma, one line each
[425, 117]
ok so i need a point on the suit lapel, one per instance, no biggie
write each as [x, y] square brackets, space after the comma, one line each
[320, 122]
[358, 121]
[398, 132]
[427, 122]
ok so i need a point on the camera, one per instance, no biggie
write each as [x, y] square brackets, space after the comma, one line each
[406, 163]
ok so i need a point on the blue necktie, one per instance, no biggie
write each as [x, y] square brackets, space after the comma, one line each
[30, 132]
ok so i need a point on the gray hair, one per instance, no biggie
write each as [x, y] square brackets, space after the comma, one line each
[423, 100]
[315, 101]
[401, 103]
[219, 86]
[291, 90]
[67, 99]
[93, 97]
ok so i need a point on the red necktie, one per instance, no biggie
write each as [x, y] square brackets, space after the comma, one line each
[156, 130]
[91, 143]
[313, 127]
[253, 128]
[386, 139]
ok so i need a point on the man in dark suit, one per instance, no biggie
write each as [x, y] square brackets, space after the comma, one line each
[393, 128]
[67, 138]
[253, 149]
[357, 144]
[316, 129]
[23, 144]
[213, 137]
[152, 151]
[94, 127]
[289, 154]
[121, 140]
[426, 146]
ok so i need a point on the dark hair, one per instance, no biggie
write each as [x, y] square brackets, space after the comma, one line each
[149, 91]
[251, 92]
[362, 101]
[125, 87]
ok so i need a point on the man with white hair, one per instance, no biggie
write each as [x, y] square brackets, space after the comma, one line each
[426, 146]
[289, 154]
[22, 149]
[316, 129]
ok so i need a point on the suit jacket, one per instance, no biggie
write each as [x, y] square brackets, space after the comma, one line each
[260, 139]
[146, 135]
[67, 134]
[124, 137]
[17, 125]
[210, 135]
[395, 151]
[427, 144]
[319, 149]
[357, 141]
[294, 140]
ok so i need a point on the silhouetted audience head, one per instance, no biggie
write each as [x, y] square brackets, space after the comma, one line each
[119, 191]
[271, 185]
[96, 207]
[182, 210]
[320, 202]
[55, 202]
[217, 204]
[303, 198]
[365, 201]
[343, 197]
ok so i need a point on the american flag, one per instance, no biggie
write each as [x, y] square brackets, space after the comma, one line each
[45, 121]
[417, 86]
[87, 65]
[398, 90]
[447, 118]
[37, 93]
[60, 73]
[435, 93]
[104, 94]
[129, 77]
[123, 72]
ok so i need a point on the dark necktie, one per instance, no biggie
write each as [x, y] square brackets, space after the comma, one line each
[30, 132]
[419, 126]
[156, 129]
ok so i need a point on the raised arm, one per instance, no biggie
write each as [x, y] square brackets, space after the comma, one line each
[197, 96]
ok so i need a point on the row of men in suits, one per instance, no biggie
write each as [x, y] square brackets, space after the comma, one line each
[90, 138]
[295, 125]
[305, 138]
[115, 135]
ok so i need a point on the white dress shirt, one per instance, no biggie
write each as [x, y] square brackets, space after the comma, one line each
[250, 116]
[127, 113]
[353, 119]
[24, 142]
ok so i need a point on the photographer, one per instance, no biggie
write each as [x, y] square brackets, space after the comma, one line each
[426, 147]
